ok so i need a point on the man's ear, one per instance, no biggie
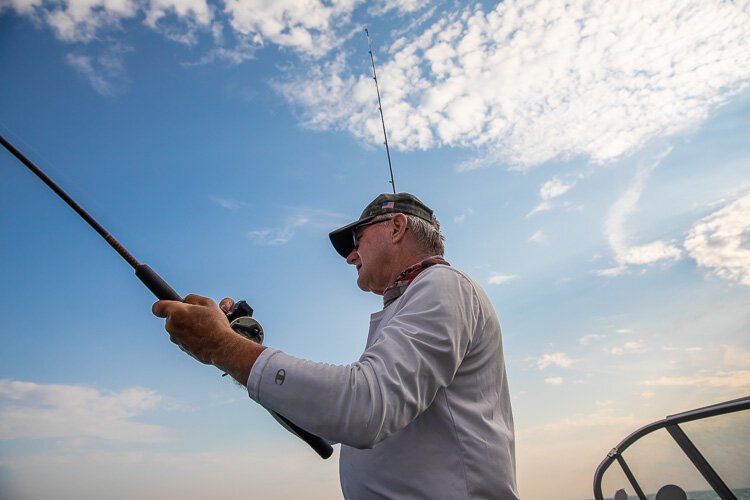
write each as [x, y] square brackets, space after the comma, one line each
[398, 229]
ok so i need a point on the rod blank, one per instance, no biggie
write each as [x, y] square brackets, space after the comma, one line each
[152, 280]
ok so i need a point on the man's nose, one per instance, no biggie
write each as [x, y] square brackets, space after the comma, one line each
[352, 257]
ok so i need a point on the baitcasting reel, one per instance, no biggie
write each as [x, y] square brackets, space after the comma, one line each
[241, 320]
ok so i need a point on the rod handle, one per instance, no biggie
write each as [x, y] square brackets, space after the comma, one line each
[156, 284]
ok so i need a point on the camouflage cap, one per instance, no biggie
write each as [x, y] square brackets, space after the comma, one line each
[405, 203]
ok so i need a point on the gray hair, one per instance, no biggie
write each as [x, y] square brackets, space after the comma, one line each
[428, 235]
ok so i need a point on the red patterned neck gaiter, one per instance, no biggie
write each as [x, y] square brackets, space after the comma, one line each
[404, 279]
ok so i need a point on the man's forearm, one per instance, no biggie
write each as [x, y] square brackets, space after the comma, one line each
[237, 357]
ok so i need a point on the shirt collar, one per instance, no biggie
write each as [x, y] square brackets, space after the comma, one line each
[403, 280]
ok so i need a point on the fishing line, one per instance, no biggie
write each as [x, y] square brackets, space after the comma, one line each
[380, 107]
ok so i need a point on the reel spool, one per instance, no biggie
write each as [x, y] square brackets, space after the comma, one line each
[241, 320]
[249, 328]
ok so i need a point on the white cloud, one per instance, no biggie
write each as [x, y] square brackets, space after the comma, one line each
[105, 72]
[555, 359]
[625, 253]
[461, 218]
[731, 379]
[650, 253]
[81, 20]
[281, 235]
[554, 188]
[605, 415]
[477, 163]
[530, 81]
[735, 357]
[305, 26]
[309, 27]
[539, 237]
[381, 7]
[554, 380]
[499, 279]
[196, 10]
[610, 271]
[34, 411]
[626, 348]
[543, 206]
[669, 348]
[23, 7]
[300, 218]
[587, 339]
[243, 50]
[228, 203]
[192, 16]
[524, 82]
[721, 241]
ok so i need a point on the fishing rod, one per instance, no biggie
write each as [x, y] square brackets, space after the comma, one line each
[380, 107]
[240, 316]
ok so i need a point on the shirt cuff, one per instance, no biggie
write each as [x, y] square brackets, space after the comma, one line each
[256, 372]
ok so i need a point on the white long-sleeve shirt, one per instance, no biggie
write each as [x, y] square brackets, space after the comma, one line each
[425, 412]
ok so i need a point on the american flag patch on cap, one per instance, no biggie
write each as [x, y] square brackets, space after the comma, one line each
[387, 204]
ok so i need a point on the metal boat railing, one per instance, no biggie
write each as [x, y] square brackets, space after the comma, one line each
[672, 425]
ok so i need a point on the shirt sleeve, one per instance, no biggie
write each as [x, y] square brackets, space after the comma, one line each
[397, 377]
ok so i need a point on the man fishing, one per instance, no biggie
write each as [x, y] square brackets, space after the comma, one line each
[425, 412]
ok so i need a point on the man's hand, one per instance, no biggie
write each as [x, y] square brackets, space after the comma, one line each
[202, 330]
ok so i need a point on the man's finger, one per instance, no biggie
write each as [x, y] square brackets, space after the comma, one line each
[162, 308]
[226, 304]
[198, 300]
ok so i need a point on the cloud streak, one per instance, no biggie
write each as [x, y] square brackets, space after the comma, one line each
[633, 347]
[35, 411]
[500, 279]
[300, 218]
[280, 235]
[559, 359]
[727, 379]
[720, 242]
[588, 339]
[553, 188]
[105, 73]
[625, 253]
[603, 416]
[228, 203]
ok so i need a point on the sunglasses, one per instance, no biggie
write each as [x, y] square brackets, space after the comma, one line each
[356, 230]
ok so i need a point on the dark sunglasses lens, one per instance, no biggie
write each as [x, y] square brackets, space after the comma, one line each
[355, 230]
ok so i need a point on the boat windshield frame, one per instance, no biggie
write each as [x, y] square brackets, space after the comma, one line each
[672, 425]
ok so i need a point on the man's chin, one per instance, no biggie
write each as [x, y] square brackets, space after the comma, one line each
[365, 287]
[361, 284]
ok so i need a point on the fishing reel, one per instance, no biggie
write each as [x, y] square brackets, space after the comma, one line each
[241, 320]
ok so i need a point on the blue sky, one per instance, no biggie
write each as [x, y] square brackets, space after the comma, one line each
[589, 164]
